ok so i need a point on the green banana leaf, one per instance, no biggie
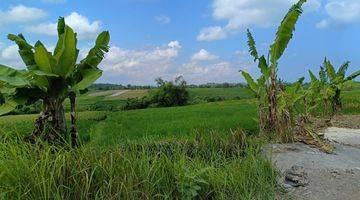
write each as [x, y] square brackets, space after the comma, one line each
[89, 77]
[250, 81]
[285, 32]
[43, 58]
[12, 76]
[65, 53]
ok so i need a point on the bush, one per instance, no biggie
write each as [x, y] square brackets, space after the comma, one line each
[168, 94]
[171, 93]
[101, 106]
[27, 109]
[137, 103]
[206, 99]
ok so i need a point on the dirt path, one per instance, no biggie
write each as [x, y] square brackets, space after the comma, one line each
[329, 176]
[118, 93]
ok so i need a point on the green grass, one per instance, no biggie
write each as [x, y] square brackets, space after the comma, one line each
[227, 93]
[95, 103]
[210, 168]
[22, 125]
[190, 152]
[176, 122]
[351, 102]
[155, 123]
[102, 101]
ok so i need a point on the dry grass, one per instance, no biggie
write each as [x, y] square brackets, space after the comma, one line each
[127, 94]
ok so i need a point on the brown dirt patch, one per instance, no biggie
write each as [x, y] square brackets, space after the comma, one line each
[346, 121]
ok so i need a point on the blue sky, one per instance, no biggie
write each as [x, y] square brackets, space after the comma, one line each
[202, 40]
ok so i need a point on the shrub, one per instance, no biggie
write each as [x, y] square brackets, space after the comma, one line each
[101, 106]
[171, 93]
[168, 94]
[137, 103]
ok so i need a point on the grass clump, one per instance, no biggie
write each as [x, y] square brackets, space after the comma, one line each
[227, 168]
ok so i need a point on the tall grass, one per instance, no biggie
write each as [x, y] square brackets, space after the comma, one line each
[176, 122]
[204, 168]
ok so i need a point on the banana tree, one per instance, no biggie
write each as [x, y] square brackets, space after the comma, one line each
[336, 80]
[52, 78]
[318, 93]
[269, 66]
[259, 91]
[258, 87]
[289, 99]
[283, 37]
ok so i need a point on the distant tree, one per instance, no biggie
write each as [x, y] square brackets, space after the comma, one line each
[171, 93]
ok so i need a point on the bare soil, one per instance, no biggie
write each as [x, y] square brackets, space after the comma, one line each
[346, 121]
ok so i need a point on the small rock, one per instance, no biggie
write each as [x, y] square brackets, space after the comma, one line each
[335, 173]
[296, 176]
[350, 171]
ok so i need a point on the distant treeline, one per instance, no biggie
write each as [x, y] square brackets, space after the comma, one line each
[109, 86]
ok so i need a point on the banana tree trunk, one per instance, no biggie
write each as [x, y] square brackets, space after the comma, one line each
[73, 132]
[262, 117]
[58, 131]
[336, 104]
[39, 126]
[273, 102]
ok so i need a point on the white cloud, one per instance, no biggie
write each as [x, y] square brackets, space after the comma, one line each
[84, 28]
[10, 56]
[216, 72]
[341, 12]
[203, 55]
[47, 29]
[322, 24]
[140, 66]
[211, 33]
[163, 19]
[241, 14]
[22, 14]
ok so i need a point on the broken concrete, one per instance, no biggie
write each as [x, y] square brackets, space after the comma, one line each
[344, 136]
[330, 176]
[296, 176]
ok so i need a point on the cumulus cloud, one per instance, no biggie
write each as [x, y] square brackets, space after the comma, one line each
[217, 69]
[203, 55]
[21, 14]
[140, 66]
[341, 12]
[10, 56]
[246, 13]
[163, 19]
[217, 72]
[212, 33]
[82, 25]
